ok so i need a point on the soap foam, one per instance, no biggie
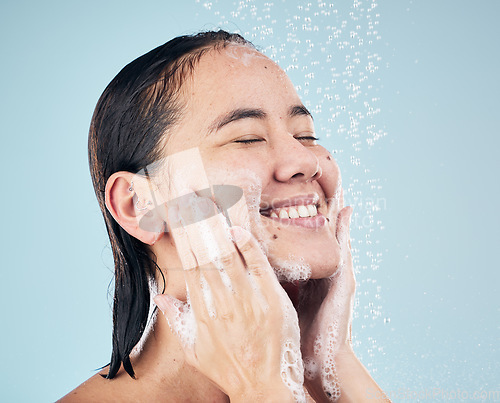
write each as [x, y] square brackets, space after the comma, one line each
[184, 322]
[328, 372]
[245, 54]
[208, 297]
[292, 371]
[311, 368]
[152, 314]
[291, 365]
[292, 269]
[246, 213]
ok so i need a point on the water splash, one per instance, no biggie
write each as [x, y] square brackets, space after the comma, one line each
[329, 50]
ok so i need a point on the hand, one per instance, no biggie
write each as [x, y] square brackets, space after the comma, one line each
[238, 327]
[325, 313]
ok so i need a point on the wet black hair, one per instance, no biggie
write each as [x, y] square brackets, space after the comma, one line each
[140, 106]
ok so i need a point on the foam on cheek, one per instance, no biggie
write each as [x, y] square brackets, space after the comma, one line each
[291, 269]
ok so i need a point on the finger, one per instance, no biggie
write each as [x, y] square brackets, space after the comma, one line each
[215, 253]
[179, 174]
[208, 295]
[207, 238]
[237, 213]
[191, 271]
[228, 284]
[256, 263]
[343, 224]
[217, 292]
[346, 268]
[196, 296]
[217, 259]
[208, 233]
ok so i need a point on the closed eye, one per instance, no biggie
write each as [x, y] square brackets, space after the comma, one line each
[248, 141]
[307, 138]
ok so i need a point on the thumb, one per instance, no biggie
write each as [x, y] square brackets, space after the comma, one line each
[180, 319]
[170, 307]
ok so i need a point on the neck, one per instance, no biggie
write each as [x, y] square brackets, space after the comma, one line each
[162, 373]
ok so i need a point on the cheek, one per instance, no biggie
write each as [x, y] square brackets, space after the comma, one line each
[239, 190]
[327, 162]
[330, 180]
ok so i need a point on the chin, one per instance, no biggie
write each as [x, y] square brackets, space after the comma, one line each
[302, 265]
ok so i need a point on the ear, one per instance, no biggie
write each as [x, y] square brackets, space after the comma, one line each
[128, 204]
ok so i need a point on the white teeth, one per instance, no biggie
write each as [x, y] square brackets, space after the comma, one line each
[303, 211]
[309, 210]
[283, 213]
[312, 210]
[292, 213]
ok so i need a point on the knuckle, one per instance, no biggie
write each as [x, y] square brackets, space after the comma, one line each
[246, 247]
[226, 316]
[226, 260]
[256, 269]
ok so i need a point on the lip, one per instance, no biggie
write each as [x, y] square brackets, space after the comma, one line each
[301, 200]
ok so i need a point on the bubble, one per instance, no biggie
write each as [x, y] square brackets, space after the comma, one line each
[344, 87]
[311, 368]
[292, 370]
[291, 269]
[207, 297]
[184, 323]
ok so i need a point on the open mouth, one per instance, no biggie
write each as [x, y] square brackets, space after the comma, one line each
[305, 214]
[300, 211]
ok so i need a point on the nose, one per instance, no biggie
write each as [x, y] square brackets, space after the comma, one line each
[293, 161]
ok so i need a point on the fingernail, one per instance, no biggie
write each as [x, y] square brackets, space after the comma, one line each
[166, 302]
[160, 302]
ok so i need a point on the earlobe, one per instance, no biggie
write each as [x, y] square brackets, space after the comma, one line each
[159, 233]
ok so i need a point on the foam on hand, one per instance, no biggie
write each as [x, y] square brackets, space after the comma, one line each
[330, 381]
[183, 323]
[291, 366]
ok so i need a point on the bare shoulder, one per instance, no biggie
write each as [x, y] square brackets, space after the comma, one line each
[94, 389]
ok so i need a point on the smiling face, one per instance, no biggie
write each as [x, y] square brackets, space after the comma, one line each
[252, 130]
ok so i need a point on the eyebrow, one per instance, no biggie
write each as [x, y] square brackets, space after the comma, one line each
[237, 114]
[249, 113]
[299, 110]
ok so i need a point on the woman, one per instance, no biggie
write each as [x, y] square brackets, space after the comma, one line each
[215, 192]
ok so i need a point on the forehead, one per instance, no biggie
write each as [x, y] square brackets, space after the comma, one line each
[238, 76]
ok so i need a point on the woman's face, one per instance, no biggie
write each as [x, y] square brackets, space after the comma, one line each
[251, 130]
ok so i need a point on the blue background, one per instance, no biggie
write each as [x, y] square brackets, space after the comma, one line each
[404, 92]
